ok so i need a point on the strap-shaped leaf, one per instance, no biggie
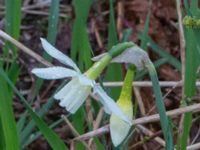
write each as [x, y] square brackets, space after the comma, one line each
[55, 142]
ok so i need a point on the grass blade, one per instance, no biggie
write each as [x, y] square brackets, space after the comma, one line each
[171, 60]
[80, 45]
[112, 32]
[192, 61]
[186, 5]
[194, 9]
[144, 36]
[53, 139]
[157, 63]
[8, 118]
[21, 122]
[12, 26]
[38, 134]
[12, 23]
[51, 37]
[53, 21]
[2, 141]
[126, 34]
[165, 124]
[29, 127]
[113, 72]
[78, 123]
[187, 122]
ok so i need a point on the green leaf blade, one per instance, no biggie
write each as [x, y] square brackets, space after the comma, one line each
[8, 118]
[52, 138]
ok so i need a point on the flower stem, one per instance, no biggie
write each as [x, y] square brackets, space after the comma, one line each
[165, 124]
[119, 48]
[98, 67]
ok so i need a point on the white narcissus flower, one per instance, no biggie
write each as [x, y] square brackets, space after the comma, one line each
[118, 128]
[75, 92]
[137, 57]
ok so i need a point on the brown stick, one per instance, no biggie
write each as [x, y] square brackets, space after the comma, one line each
[143, 120]
[25, 49]
[148, 84]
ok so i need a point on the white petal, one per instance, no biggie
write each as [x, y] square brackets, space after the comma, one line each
[73, 95]
[116, 124]
[54, 72]
[79, 99]
[52, 51]
[118, 130]
[69, 95]
[134, 55]
[110, 104]
[63, 92]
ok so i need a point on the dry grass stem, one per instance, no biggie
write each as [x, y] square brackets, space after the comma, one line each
[25, 49]
[51, 84]
[97, 35]
[42, 13]
[143, 120]
[139, 100]
[120, 16]
[181, 41]
[75, 133]
[151, 134]
[148, 84]
[97, 123]
[88, 108]
[194, 147]
[145, 140]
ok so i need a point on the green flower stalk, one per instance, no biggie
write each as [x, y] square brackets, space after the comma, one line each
[165, 124]
[118, 128]
[75, 92]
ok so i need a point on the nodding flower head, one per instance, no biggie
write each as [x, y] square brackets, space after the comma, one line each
[75, 92]
[138, 57]
[133, 55]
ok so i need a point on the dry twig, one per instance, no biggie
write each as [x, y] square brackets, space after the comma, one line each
[182, 41]
[143, 120]
[97, 123]
[25, 49]
[148, 84]
[75, 133]
[139, 100]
